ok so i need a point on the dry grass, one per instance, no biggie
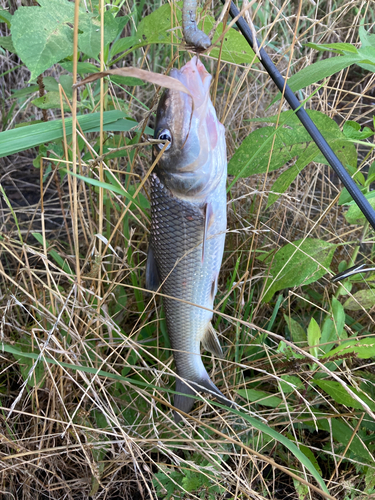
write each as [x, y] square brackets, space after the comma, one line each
[71, 427]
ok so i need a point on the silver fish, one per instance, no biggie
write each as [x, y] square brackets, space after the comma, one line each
[188, 223]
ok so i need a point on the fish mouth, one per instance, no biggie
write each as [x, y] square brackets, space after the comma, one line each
[195, 78]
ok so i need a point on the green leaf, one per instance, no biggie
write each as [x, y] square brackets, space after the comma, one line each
[367, 39]
[127, 80]
[29, 136]
[299, 263]
[343, 434]
[313, 337]
[41, 35]
[363, 299]
[261, 397]
[292, 379]
[235, 50]
[6, 17]
[334, 47]
[297, 332]
[364, 348]
[82, 67]
[354, 215]
[291, 140]
[338, 393]
[318, 71]
[17, 94]
[89, 41]
[352, 130]
[51, 100]
[55, 255]
[123, 44]
[339, 317]
[25, 364]
[285, 179]
[6, 43]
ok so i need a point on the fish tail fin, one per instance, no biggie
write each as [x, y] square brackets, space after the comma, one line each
[185, 403]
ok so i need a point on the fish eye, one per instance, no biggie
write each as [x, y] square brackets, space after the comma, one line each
[165, 135]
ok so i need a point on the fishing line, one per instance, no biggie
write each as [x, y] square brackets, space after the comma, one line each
[306, 121]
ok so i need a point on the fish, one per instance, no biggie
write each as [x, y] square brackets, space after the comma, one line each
[188, 226]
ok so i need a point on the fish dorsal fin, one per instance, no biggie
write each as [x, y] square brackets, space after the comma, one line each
[152, 274]
[208, 217]
[211, 342]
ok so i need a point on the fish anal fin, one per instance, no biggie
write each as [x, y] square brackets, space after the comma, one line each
[211, 342]
[208, 220]
[152, 274]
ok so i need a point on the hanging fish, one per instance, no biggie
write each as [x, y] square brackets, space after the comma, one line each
[193, 35]
[188, 224]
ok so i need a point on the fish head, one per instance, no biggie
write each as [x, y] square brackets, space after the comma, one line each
[195, 160]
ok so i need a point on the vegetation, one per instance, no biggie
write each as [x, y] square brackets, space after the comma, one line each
[86, 378]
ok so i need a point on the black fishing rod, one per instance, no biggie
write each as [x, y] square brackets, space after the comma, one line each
[306, 121]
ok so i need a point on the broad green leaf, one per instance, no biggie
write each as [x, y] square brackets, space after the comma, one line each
[289, 140]
[338, 393]
[329, 335]
[252, 421]
[292, 379]
[313, 337]
[261, 397]
[339, 318]
[236, 50]
[66, 81]
[367, 39]
[285, 179]
[354, 215]
[297, 332]
[363, 299]
[352, 130]
[299, 263]
[123, 44]
[51, 100]
[343, 435]
[310, 455]
[29, 136]
[89, 41]
[364, 348]
[82, 67]
[6, 43]
[42, 35]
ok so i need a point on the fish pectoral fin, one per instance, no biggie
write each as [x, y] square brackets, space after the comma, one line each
[211, 342]
[152, 274]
